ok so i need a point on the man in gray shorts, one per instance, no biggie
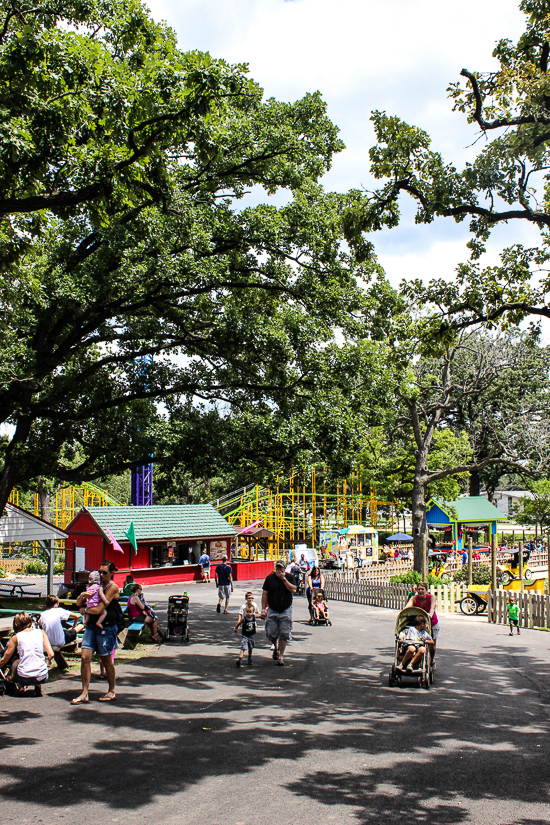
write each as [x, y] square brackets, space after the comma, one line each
[224, 583]
[277, 592]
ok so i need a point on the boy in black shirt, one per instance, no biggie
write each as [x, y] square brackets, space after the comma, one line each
[248, 623]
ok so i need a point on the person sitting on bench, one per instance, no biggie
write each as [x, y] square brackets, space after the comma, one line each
[138, 613]
[51, 621]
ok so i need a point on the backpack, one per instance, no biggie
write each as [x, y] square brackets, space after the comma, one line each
[119, 615]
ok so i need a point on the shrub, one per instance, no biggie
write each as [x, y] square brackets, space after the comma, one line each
[413, 577]
[35, 567]
[40, 568]
[3, 573]
[480, 575]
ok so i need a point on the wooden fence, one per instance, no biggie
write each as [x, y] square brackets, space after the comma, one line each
[383, 572]
[534, 608]
[346, 588]
[13, 565]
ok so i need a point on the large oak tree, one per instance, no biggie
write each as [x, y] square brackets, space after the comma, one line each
[123, 235]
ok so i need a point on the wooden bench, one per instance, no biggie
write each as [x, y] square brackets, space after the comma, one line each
[60, 660]
[133, 633]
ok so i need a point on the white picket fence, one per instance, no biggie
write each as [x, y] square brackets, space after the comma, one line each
[346, 588]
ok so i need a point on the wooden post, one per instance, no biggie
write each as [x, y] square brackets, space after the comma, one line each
[493, 562]
[520, 546]
[470, 553]
[424, 570]
[49, 569]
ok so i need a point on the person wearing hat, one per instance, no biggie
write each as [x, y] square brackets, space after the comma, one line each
[277, 592]
[224, 583]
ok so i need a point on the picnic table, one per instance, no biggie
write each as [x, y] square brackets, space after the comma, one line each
[8, 588]
[10, 611]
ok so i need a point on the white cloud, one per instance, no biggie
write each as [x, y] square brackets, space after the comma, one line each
[397, 55]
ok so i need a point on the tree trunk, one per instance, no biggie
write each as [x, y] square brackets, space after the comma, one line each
[490, 492]
[7, 480]
[10, 473]
[474, 483]
[418, 507]
[43, 500]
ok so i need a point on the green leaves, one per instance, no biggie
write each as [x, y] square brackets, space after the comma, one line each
[123, 235]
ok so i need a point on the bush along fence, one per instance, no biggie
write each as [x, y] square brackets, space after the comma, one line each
[534, 608]
[346, 588]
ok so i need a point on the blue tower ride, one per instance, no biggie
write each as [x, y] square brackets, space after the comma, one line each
[142, 477]
[142, 485]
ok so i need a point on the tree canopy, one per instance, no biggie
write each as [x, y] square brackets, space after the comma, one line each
[506, 183]
[124, 234]
[536, 509]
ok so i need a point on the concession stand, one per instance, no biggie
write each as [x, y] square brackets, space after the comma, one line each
[157, 544]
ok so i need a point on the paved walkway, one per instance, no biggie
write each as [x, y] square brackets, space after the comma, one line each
[194, 740]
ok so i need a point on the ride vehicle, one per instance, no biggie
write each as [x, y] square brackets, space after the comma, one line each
[422, 675]
[475, 601]
[437, 561]
[510, 570]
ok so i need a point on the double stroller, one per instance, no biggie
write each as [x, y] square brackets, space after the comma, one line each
[423, 673]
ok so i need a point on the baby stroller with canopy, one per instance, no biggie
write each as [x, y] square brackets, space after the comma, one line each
[178, 613]
[423, 673]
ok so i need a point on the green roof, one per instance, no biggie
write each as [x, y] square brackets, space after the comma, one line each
[470, 508]
[160, 521]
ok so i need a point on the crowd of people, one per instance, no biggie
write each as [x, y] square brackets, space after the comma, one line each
[98, 614]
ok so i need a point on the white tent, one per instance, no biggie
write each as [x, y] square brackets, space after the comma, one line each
[18, 525]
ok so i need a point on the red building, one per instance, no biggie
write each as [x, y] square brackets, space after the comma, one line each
[170, 539]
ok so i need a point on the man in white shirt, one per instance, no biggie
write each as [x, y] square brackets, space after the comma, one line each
[51, 623]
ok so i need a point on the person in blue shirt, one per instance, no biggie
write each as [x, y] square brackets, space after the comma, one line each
[224, 583]
[204, 562]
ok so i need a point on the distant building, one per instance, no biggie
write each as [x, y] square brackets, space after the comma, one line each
[508, 500]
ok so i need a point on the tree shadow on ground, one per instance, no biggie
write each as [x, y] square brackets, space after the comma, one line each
[393, 751]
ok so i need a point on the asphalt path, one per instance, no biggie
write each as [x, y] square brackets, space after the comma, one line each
[192, 739]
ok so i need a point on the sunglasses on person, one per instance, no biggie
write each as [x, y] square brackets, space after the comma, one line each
[103, 572]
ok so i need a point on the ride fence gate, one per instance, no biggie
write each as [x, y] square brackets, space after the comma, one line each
[534, 608]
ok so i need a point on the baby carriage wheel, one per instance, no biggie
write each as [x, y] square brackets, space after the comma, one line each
[391, 681]
[329, 623]
[425, 682]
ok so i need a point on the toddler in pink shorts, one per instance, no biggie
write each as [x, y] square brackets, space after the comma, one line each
[94, 595]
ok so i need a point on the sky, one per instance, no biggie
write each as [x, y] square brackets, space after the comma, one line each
[396, 55]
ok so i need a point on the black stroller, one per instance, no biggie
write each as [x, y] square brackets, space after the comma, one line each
[178, 612]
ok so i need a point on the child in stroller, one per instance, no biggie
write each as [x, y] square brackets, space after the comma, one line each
[320, 609]
[420, 638]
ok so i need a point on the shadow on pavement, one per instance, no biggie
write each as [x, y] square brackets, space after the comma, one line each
[474, 736]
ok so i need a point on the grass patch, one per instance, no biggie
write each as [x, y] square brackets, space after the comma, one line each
[122, 657]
